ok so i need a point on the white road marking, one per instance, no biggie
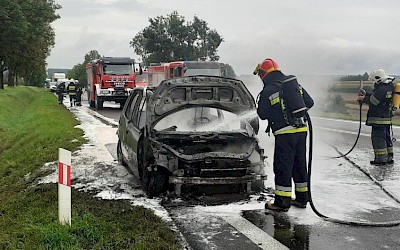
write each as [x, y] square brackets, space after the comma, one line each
[255, 234]
[342, 131]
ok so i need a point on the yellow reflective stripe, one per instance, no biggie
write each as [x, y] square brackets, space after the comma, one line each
[380, 122]
[380, 152]
[291, 131]
[283, 193]
[275, 101]
[301, 189]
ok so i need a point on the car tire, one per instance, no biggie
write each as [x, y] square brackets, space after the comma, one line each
[257, 186]
[154, 182]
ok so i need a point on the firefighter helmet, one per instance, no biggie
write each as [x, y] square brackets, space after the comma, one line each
[266, 67]
[380, 76]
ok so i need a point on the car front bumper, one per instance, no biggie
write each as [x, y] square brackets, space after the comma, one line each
[216, 180]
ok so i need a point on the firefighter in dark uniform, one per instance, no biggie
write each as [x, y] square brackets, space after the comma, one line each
[60, 92]
[78, 93]
[71, 89]
[379, 115]
[284, 103]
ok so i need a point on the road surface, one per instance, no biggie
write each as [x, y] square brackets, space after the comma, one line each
[339, 189]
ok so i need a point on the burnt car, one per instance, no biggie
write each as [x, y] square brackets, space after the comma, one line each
[196, 130]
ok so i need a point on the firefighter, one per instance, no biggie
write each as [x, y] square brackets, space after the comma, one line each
[78, 93]
[284, 103]
[379, 115]
[71, 89]
[60, 92]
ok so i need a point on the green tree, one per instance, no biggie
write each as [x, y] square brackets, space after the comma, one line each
[359, 77]
[172, 38]
[26, 38]
[78, 72]
[12, 26]
[227, 70]
[336, 105]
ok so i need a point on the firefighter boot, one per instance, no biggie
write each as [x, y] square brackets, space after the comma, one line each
[298, 204]
[390, 159]
[380, 160]
[273, 207]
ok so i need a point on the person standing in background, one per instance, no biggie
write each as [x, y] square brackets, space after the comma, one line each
[60, 92]
[71, 90]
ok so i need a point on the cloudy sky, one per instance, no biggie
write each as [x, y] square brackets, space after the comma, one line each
[303, 36]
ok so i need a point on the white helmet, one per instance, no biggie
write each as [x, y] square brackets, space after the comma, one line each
[380, 76]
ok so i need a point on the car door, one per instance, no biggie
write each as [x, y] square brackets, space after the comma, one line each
[123, 128]
[133, 132]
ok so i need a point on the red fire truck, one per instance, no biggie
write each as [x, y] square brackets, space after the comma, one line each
[157, 73]
[110, 79]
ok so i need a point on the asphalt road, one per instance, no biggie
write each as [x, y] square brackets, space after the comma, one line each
[339, 190]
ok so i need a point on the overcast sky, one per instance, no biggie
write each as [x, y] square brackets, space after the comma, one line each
[303, 36]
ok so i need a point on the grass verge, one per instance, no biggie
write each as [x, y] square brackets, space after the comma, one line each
[32, 128]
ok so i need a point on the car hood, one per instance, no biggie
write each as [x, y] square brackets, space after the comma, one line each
[199, 91]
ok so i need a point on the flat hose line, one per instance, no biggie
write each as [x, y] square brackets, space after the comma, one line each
[344, 222]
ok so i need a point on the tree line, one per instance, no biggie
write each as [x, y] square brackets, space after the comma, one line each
[169, 39]
[359, 77]
[26, 38]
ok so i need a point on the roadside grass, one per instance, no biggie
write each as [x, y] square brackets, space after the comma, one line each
[32, 128]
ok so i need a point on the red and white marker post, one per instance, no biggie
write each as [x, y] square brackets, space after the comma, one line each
[64, 186]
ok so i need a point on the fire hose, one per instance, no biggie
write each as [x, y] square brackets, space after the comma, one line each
[360, 103]
[345, 222]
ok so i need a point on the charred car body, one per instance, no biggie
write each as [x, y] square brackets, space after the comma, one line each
[197, 130]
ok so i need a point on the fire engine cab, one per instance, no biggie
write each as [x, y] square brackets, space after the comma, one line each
[158, 72]
[110, 79]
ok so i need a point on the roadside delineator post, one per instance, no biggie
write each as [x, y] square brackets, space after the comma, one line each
[64, 186]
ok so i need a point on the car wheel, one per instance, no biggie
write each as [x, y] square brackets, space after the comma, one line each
[154, 182]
